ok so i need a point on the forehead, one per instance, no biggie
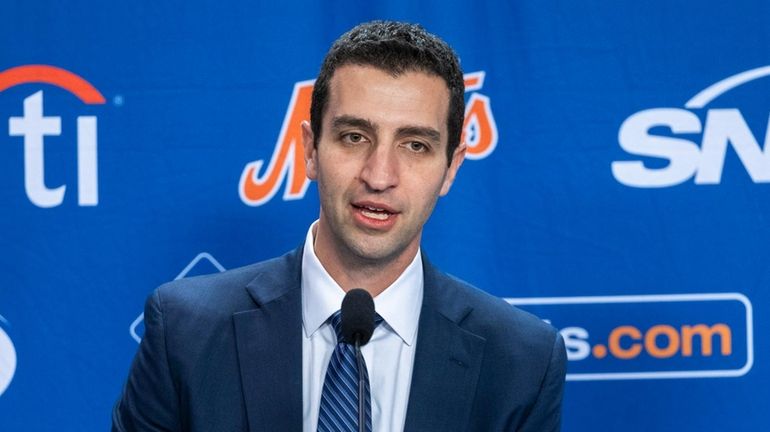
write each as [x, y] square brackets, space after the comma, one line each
[411, 98]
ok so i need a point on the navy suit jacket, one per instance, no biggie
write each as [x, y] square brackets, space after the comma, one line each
[224, 353]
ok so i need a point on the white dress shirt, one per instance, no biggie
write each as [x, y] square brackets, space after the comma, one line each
[389, 355]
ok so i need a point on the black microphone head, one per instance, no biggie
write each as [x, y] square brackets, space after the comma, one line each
[357, 316]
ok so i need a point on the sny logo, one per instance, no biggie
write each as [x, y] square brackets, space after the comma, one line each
[479, 133]
[721, 127]
[33, 126]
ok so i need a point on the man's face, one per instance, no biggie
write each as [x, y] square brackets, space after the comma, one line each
[380, 161]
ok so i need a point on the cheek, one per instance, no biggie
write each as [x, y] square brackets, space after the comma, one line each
[331, 181]
[425, 193]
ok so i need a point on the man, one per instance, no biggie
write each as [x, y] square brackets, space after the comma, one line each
[252, 348]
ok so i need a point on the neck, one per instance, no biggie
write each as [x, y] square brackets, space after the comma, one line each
[351, 270]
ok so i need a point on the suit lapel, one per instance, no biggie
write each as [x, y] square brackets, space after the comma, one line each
[447, 361]
[269, 346]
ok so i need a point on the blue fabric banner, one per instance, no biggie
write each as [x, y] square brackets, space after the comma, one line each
[617, 185]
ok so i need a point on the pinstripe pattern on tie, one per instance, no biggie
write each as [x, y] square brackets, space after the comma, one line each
[339, 397]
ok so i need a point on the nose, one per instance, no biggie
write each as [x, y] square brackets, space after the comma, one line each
[380, 170]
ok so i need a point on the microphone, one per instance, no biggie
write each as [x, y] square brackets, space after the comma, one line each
[357, 325]
[357, 317]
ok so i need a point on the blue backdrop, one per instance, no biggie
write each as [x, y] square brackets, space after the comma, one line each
[617, 186]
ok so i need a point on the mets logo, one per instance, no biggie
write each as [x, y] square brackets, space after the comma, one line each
[33, 126]
[287, 165]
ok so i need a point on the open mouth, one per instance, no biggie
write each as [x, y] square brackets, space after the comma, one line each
[373, 212]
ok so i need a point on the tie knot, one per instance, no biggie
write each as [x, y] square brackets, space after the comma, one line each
[336, 321]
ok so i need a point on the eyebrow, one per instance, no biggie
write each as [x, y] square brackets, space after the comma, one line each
[420, 131]
[344, 121]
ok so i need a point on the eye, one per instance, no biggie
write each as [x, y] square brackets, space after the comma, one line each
[353, 138]
[417, 147]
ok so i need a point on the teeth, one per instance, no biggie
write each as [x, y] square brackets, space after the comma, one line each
[375, 209]
[374, 214]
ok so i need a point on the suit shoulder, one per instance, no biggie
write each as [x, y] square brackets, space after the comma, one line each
[224, 292]
[499, 322]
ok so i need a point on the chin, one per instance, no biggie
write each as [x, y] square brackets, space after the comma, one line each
[374, 251]
[373, 254]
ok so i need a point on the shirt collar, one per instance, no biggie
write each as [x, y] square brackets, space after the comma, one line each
[399, 305]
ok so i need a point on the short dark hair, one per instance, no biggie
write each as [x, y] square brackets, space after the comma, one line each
[396, 48]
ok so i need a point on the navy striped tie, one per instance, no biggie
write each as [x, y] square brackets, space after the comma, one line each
[339, 398]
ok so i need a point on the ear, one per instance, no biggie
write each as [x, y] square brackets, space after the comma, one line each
[311, 155]
[457, 159]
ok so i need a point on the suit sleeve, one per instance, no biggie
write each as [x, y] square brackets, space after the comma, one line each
[546, 413]
[149, 401]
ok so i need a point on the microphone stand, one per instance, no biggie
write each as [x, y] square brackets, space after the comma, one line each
[361, 387]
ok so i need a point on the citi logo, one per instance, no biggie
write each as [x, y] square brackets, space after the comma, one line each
[640, 135]
[33, 126]
[287, 163]
[652, 336]
[7, 358]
